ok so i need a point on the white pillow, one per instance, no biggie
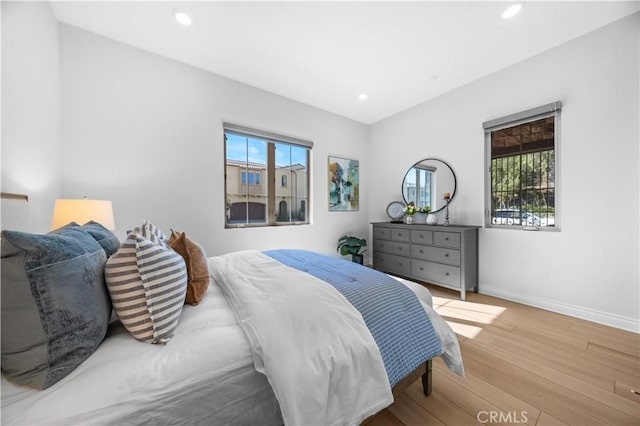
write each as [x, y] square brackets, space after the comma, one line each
[147, 282]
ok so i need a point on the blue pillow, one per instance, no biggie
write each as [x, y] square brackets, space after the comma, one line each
[55, 306]
[107, 239]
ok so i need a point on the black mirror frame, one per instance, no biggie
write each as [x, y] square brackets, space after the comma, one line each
[455, 181]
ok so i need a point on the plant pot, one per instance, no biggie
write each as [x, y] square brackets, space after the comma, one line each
[357, 258]
[420, 218]
[408, 219]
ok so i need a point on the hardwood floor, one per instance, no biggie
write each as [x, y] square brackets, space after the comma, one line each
[525, 366]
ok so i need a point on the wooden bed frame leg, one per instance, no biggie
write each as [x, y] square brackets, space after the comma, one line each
[426, 380]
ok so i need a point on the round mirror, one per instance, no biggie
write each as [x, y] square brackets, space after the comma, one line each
[426, 183]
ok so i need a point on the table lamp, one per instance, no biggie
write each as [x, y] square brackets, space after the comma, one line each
[82, 211]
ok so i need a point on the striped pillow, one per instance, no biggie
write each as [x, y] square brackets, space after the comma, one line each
[151, 232]
[147, 283]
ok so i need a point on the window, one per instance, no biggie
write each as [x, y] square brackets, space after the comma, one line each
[522, 169]
[254, 162]
[253, 178]
[420, 176]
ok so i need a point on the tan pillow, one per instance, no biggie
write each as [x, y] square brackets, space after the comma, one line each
[196, 260]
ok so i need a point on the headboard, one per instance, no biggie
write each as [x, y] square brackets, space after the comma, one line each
[14, 212]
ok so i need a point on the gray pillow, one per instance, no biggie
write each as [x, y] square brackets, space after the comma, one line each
[107, 239]
[55, 306]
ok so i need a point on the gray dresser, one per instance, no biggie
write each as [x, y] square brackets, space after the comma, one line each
[443, 255]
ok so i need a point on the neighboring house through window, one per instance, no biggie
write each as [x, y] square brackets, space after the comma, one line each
[522, 169]
[253, 159]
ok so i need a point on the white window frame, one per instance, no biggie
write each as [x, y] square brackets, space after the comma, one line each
[544, 111]
[272, 203]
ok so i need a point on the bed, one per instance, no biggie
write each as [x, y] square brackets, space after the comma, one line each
[207, 374]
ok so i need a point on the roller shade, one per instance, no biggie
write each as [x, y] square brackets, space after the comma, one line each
[523, 116]
[247, 131]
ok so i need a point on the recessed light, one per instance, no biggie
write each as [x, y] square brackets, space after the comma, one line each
[362, 96]
[512, 11]
[182, 17]
[433, 77]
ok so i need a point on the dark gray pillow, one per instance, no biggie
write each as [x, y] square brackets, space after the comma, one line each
[55, 306]
[107, 239]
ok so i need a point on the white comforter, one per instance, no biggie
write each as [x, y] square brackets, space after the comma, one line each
[204, 375]
[327, 375]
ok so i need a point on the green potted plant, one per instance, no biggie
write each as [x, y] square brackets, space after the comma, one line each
[421, 215]
[354, 246]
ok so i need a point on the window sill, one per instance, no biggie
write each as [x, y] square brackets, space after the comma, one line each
[525, 228]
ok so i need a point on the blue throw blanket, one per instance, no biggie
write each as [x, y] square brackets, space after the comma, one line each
[392, 312]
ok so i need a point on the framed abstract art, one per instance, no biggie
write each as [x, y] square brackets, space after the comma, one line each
[344, 184]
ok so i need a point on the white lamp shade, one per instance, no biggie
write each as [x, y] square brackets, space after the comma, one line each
[82, 211]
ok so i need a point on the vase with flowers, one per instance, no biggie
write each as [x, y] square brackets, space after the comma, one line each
[421, 214]
[409, 211]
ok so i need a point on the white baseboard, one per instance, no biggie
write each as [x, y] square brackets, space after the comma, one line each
[606, 318]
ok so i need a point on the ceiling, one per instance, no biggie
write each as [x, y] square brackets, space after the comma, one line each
[325, 54]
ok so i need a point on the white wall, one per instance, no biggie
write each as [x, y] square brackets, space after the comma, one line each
[146, 132]
[590, 268]
[31, 142]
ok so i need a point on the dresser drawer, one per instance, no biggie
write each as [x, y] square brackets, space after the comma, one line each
[446, 239]
[392, 263]
[436, 254]
[436, 272]
[382, 233]
[422, 237]
[444, 256]
[399, 234]
[392, 247]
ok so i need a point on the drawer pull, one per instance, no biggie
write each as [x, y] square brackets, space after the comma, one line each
[447, 274]
[446, 238]
[399, 248]
[446, 255]
[421, 236]
[421, 252]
